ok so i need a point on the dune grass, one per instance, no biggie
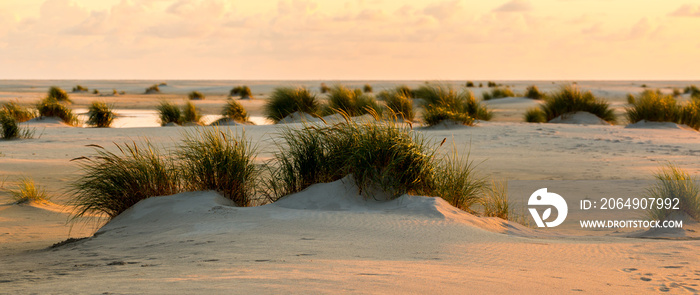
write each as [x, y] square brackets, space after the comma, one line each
[498, 92]
[535, 115]
[491, 84]
[351, 102]
[169, 113]
[367, 88]
[19, 113]
[324, 88]
[27, 191]
[470, 84]
[100, 114]
[114, 181]
[570, 99]
[152, 89]
[534, 93]
[211, 159]
[242, 91]
[286, 100]
[190, 113]
[673, 182]
[693, 90]
[690, 114]
[442, 102]
[50, 107]
[195, 95]
[400, 105]
[235, 111]
[455, 181]
[79, 88]
[405, 90]
[58, 94]
[653, 106]
[495, 202]
[10, 127]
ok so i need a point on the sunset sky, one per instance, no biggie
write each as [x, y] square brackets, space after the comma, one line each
[359, 39]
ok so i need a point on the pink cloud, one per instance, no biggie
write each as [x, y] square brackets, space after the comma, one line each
[515, 6]
[687, 10]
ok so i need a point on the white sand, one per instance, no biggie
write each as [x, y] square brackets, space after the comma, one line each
[328, 239]
[584, 118]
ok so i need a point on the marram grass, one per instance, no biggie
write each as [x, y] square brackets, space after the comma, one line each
[190, 113]
[100, 115]
[169, 113]
[27, 191]
[235, 111]
[498, 92]
[442, 102]
[58, 94]
[287, 100]
[50, 107]
[350, 102]
[653, 106]
[570, 99]
[19, 113]
[673, 182]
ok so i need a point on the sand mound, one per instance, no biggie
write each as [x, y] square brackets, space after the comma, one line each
[46, 122]
[512, 102]
[644, 124]
[298, 117]
[584, 118]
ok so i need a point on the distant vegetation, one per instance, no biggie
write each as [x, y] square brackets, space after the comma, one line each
[195, 95]
[470, 84]
[367, 88]
[153, 89]
[79, 88]
[692, 90]
[58, 94]
[652, 105]
[100, 114]
[50, 107]
[570, 99]
[491, 84]
[441, 102]
[534, 93]
[27, 191]
[169, 113]
[286, 100]
[399, 105]
[235, 111]
[19, 113]
[242, 91]
[498, 92]
[350, 102]
[190, 113]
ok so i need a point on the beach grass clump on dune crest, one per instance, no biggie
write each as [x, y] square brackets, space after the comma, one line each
[367, 88]
[153, 89]
[190, 113]
[79, 88]
[693, 90]
[498, 92]
[235, 111]
[19, 113]
[379, 157]
[534, 93]
[495, 202]
[470, 84]
[400, 105]
[58, 94]
[442, 102]
[570, 99]
[455, 181]
[10, 127]
[653, 106]
[27, 191]
[690, 114]
[674, 183]
[195, 95]
[535, 115]
[50, 107]
[405, 90]
[351, 102]
[100, 114]
[214, 160]
[169, 113]
[114, 181]
[324, 88]
[242, 91]
[286, 100]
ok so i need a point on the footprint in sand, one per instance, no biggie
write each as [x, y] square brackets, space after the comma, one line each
[630, 269]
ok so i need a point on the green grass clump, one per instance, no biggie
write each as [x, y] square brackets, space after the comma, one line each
[672, 182]
[498, 92]
[286, 100]
[95, 91]
[169, 113]
[367, 88]
[27, 191]
[676, 92]
[114, 181]
[380, 157]
[405, 90]
[455, 181]
[630, 98]
[214, 160]
[535, 115]
[690, 114]
[10, 127]
[534, 93]
[242, 91]
[195, 95]
[400, 105]
[570, 99]
[190, 113]
[100, 115]
[470, 84]
[153, 89]
[443, 102]
[79, 88]
[491, 84]
[19, 113]
[351, 102]
[692, 90]
[58, 94]
[324, 88]
[235, 111]
[655, 107]
[50, 107]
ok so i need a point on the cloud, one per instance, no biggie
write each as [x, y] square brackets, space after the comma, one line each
[687, 10]
[514, 6]
[443, 10]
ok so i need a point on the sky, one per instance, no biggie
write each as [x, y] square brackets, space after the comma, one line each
[350, 40]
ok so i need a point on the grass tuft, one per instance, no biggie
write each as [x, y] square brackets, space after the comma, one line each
[498, 92]
[114, 181]
[242, 91]
[214, 160]
[367, 88]
[286, 100]
[442, 102]
[58, 94]
[456, 182]
[400, 105]
[672, 182]
[27, 191]
[351, 102]
[50, 107]
[10, 127]
[535, 115]
[169, 113]
[534, 93]
[100, 114]
[235, 111]
[692, 90]
[470, 84]
[153, 89]
[190, 113]
[79, 88]
[570, 99]
[491, 84]
[195, 95]
[653, 106]
[19, 113]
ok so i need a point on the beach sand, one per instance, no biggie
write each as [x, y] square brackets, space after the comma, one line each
[328, 239]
